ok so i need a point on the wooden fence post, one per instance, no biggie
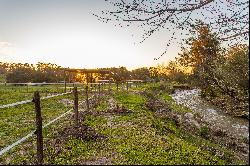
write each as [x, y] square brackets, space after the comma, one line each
[109, 87]
[65, 82]
[95, 92]
[57, 88]
[99, 90]
[39, 134]
[87, 98]
[90, 88]
[65, 86]
[75, 93]
[127, 85]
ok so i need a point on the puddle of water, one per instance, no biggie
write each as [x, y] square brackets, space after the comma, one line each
[191, 98]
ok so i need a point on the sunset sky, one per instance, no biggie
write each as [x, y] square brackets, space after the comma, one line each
[66, 33]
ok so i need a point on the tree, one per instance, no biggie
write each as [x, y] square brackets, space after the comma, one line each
[141, 73]
[201, 53]
[154, 73]
[229, 19]
[222, 75]
[41, 72]
[234, 72]
[175, 73]
[119, 74]
[20, 73]
[47, 72]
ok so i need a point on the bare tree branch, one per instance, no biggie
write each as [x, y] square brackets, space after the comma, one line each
[229, 19]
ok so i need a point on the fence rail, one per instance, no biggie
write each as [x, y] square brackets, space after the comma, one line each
[9, 147]
[6, 149]
[36, 100]
[30, 101]
[37, 104]
[33, 83]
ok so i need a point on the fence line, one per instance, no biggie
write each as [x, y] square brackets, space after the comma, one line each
[32, 84]
[15, 104]
[29, 101]
[47, 97]
[6, 149]
[9, 147]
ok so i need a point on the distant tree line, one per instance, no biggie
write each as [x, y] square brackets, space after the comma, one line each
[48, 72]
[22, 73]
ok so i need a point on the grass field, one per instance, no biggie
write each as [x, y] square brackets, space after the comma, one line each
[121, 129]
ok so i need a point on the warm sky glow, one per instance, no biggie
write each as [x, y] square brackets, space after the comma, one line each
[64, 32]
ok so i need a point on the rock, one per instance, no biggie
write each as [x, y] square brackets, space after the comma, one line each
[161, 110]
[189, 115]
[189, 118]
[177, 118]
[219, 132]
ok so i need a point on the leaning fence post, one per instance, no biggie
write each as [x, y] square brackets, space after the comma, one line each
[87, 98]
[75, 105]
[39, 134]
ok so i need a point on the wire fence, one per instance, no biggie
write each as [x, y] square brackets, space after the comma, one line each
[97, 87]
[30, 101]
[9, 147]
[6, 149]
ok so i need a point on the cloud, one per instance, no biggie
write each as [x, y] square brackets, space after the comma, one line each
[6, 50]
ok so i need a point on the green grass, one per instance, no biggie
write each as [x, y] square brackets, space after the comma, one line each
[2, 78]
[139, 137]
[16, 122]
[94, 121]
[132, 101]
[166, 97]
